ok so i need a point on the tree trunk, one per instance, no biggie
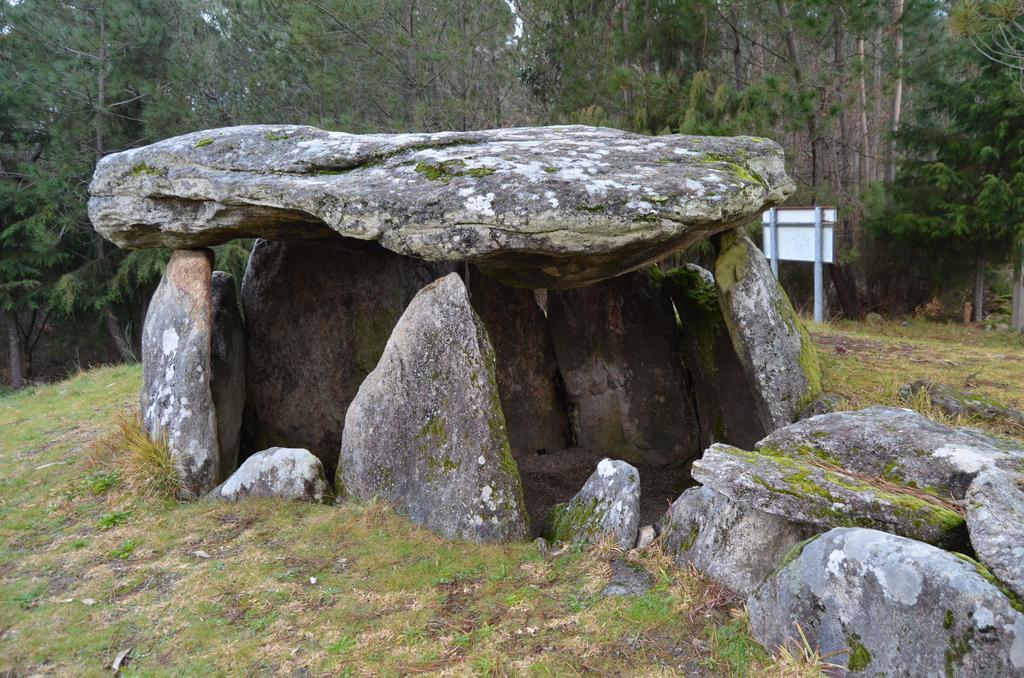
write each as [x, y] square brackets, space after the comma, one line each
[864, 161]
[979, 290]
[897, 97]
[14, 350]
[1017, 319]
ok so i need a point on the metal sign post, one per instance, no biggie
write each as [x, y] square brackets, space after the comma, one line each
[801, 234]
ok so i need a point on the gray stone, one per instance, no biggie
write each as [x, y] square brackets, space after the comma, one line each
[823, 404]
[318, 315]
[804, 491]
[873, 318]
[733, 544]
[995, 521]
[645, 537]
[529, 383]
[280, 473]
[891, 606]
[721, 388]
[537, 207]
[227, 359]
[957, 403]
[897, 444]
[768, 336]
[627, 580]
[617, 348]
[426, 432]
[176, 402]
[608, 504]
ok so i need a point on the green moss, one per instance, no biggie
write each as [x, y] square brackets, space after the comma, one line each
[449, 169]
[859, 657]
[742, 172]
[691, 538]
[205, 141]
[593, 208]
[696, 288]
[987, 575]
[794, 553]
[434, 429]
[957, 649]
[732, 261]
[143, 169]
[947, 620]
[274, 136]
[550, 170]
[575, 521]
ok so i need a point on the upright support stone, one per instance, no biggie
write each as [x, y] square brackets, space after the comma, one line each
[721, 388]
[617, 347]
[426, 432]
[177, 403]
[318, 314]
[530, 386]
[227, 357]
[768, 336]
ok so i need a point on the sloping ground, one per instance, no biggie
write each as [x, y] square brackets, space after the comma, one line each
[88, 570]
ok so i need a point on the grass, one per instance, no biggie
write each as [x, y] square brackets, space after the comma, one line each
[94, 560]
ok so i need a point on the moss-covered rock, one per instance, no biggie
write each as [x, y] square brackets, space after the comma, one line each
[608, 504]
[426, 432]
[890, 606]
[771, 341]
[812, 490]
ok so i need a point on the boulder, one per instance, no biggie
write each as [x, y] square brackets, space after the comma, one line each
[529, 383]
[772, 343]
[280, 473]
[608, 504]
[722, 391]
[890, 606]
[733, 544]
[227, 362]
[176, 402]
[957, 403]
[898, 445]
[995, 522]
[536, 207]
[426, 432]
[823, 404]
[318, 316]
[617, 348]
[812, 491]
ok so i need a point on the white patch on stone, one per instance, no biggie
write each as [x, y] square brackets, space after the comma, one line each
[170, 341]
[605, 468]
[899, 582]
[964, 458]
[481, 204]
[1017, 648]
[481, 460]
[983, 618]
[835, 559]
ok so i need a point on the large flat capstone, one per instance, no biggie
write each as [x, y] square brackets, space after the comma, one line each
[548, 207]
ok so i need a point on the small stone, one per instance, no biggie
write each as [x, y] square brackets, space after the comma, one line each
[873, 318]
[201, 554]
[646, 537]
[608, 504]
[823, 404]
[281, 473]
[627, 580]
[88, 601]
[957, 403]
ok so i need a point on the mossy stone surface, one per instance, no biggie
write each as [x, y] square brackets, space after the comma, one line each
[608, 504]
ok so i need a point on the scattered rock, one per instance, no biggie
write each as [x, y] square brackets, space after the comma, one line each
[227, 362]
[627, 580]
[888, 605]
[768, 336]
[721, 388]
[811, 491]
[609, 503]
[896, 444]
[529, 383]
[318, 315]
[176, 402]
[733, 544]
[617, 349]
[873, 318]
[823, 404]
[645, 537]
[426, 432]
[280, 472]
[536, 207]
[957, 403]
[995, 521]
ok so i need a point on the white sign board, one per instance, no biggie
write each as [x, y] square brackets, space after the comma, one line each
[796, 234]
